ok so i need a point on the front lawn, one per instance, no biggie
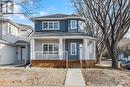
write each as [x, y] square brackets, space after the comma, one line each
[32, 77]
[106, 77]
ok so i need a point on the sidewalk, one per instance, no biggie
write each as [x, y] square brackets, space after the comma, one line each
[74, 78]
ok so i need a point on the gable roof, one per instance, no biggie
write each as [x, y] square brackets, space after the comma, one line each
[10, 21]
[58, 17]
[5, 42]
[25, 26]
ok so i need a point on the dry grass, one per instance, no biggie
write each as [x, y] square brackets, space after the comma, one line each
[106, 77]
[32, 77]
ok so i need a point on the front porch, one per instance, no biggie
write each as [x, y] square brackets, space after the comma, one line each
[62, 51]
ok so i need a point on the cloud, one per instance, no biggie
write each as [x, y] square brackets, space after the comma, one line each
[42, 13]
[49, 10]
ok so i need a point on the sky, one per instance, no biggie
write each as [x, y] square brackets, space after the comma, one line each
[44, 7]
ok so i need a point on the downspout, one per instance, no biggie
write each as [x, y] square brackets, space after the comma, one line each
[29, 65]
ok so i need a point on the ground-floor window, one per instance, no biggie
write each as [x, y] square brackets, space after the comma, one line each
[50, 48]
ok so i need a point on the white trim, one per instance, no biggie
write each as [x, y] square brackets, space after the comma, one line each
[66, 37]
[52, 25]
[72, 17]
[9, 30]
[86, 49]
[94, 43]
[73, 26]
[60, 48]
[32, 48]
[75, 50]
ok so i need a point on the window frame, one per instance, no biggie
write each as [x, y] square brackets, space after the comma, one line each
[53, 24]
[71, 24]
[71, 48]
[9, 29]
[53, 48]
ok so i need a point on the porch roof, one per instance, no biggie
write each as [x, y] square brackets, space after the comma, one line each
[60, 34]
[5, 42]
[21, 42]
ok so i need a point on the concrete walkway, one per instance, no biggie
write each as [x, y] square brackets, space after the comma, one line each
[74, 78]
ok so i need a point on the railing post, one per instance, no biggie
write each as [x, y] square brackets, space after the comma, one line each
[86, 49]
[67, 65]
[61, 48]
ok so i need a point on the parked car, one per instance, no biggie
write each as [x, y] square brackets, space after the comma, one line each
[125, 64]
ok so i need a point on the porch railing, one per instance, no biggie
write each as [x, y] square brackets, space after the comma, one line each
[51, 55]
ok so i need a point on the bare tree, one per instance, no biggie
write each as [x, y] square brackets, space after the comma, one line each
[92, 28]
[113, 19]
[27, 7]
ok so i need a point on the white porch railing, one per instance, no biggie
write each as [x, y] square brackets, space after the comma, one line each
[50, 55]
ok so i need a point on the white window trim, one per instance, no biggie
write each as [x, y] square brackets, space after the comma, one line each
[53, 25]
[72, 23]
[48, 48]
[9, 29]
[75, 44]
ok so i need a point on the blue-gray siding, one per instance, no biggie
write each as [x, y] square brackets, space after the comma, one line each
[69, 27]
[68, 48]
[64, 26]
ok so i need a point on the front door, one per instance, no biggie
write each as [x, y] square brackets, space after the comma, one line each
[73, 51]
[23, 53]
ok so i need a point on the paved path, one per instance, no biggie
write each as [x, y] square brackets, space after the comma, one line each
[74, 78]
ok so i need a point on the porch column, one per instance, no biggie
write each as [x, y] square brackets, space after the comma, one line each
[60, 48]
[26, 52]
[86, 50]
[32, 49]
[94, 43]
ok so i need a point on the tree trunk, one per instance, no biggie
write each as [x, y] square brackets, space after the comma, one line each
[114, 58]
[99, 56]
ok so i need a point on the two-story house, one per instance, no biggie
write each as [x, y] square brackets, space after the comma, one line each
[14, 42]
[61, 38]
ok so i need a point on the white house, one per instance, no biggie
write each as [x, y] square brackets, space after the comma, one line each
[14, 42]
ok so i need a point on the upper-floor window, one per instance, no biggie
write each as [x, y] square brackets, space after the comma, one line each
[50, 25]
[23, 30]
[73, 24]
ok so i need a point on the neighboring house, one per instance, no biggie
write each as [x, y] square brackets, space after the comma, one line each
[14, 42]
[124, 49]
[61, 38]
[124, 43]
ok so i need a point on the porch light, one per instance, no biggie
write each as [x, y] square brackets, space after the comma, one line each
[80, 45]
